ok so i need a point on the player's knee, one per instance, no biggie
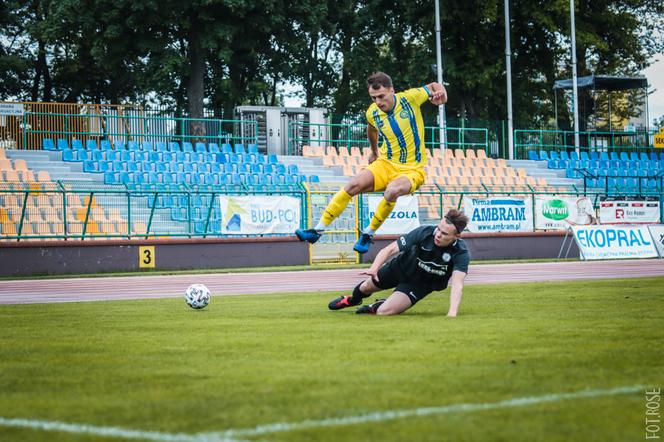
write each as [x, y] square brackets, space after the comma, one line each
[385, 310]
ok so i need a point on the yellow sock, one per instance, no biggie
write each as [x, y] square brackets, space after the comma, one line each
[382, 212]
[335, 207]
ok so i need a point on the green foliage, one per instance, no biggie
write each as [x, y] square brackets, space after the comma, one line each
[221, 53]
[156, 365]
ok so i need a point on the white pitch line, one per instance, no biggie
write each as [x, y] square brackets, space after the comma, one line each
[230, 435]
[419, 412]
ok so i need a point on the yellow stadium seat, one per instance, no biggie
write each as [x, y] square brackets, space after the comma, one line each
[437, 153]
[20, 165]
[355, 151]
[114, 214]
[6, 164]
[307, 151]
[11, 175]
[470, 153]
[343, 151]
[331, 151]
[26, 176]
[139, 228]
[366, 151]
[481, 154]
[8, 228]
[2, 154]
[458, 154]
[318, 151]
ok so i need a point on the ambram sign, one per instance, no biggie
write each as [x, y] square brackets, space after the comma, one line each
[555, 209]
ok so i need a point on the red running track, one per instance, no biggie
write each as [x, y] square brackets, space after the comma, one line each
[142, 287]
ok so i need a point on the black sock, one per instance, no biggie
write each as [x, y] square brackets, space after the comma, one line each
[358, 295]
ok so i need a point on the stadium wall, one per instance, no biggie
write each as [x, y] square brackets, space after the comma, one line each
[75, 257]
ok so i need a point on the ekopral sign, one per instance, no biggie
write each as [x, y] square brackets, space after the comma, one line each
[614, 242]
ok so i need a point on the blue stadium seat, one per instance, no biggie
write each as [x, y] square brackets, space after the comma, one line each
[237, 158]
[613, 156]
[244, 168]
[76, 144]
[91, 145]
[105, 145]
[251, 158]
[553, 155]
[120, 145]
[160, 146]
[633, 156]
[552, 164]
[643, 156]
[111, 178]
[196, 157]
[97, 155]
[262, 159]
[252, 148]
[125, 155]
[226, 148]
[584, 156]
[272, 158]
[130, 166]
[110, 155]
[47, 144]
[281, 168]
[269, 168]
[154, 156]
[147, 146]
[314, 179]
[105, 166]
[90, 166]
[543, 155]
[187, 147]
[200, 147]
[213, 148]
[292, 169]
[167, 156]
[604, 156]
[653, 156]
[574, 155]
[132, 145]
[62, 144]
[82, 155]
[139, 155]
[256, 168]
[239, 148]
[564, 155]
[174, 146]
[594, 156]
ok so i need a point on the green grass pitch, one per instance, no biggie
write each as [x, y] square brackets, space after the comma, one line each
[247, 361]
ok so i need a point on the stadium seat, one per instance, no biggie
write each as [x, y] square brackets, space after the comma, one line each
[132, 145]
[76, 144]
[120, 146]
[174, 146]
[542, 155]
[574, 155]
[147, 146]
[47, 144]
[91, 145]
[239, 148]
[532, 155]
[564, 155]
[594, 156]
[252, 148]
[226, 148]
[62, 144]
[613, 156]
[553, 155]
[200, 147]
[187, 147]
[214, 148]
[160, 146]
[603, 156]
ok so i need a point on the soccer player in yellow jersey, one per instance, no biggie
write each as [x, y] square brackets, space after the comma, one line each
[399, 168]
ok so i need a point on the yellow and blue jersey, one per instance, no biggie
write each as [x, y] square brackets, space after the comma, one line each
[402, 129]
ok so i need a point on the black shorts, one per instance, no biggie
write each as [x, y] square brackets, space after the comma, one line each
[390, 276]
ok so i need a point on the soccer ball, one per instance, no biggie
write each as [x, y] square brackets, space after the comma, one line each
[197, 296]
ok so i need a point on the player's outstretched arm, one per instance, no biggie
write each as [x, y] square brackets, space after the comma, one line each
[382, 256]
[457, 280]
[438, 93]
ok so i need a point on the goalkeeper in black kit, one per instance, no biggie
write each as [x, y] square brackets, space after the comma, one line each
[427, 259]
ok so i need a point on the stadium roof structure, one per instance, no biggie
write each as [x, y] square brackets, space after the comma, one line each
[593, 83]
[603, 82]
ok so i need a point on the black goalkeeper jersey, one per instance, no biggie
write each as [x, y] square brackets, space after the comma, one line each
[421, 261]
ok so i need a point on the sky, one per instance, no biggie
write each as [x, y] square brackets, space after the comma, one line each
[655, 76]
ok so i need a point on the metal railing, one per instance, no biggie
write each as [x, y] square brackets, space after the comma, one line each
[133, 126]
[80, 211]
[355, 134]
[562, 140]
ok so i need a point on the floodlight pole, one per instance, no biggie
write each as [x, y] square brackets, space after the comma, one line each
[508, 66]
[442, 135]
[574, 80]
